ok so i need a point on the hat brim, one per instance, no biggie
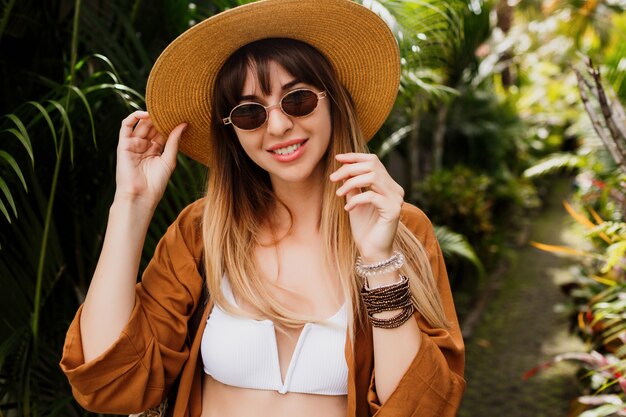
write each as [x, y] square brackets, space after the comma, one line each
[359, 45]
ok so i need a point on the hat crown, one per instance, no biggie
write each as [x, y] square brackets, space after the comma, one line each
[356, 42]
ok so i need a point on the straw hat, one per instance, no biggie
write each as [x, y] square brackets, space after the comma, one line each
[359, 45]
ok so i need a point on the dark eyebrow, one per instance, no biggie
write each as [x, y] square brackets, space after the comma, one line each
[253, 97]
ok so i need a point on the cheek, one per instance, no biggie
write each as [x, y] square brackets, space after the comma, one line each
[327, 124]
[247, 144]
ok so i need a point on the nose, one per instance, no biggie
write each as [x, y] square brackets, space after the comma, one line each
[278, 122]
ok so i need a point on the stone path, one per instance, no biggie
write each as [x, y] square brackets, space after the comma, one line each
[522, 328]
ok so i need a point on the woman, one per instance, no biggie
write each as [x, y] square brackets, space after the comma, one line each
[301, 284]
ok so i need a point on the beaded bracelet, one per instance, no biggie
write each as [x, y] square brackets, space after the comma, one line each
[390, 297]
[392, 264]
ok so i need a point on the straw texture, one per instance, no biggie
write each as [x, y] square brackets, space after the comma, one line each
[358, 44]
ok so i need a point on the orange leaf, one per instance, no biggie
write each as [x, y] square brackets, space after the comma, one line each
[596, 216]
[577, 216]
[558, 249]
[584, 220]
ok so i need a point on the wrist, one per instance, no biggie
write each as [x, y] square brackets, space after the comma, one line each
[136, 214]
[134, 203]
[386, 269]
[383, 280]
[374, 257]
[389, 306]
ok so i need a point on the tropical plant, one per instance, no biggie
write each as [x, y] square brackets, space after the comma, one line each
[57, 164]
[605, 377]
[430, 35]
[598, 308]
[57, 182]
[31, 259]
[453, 111]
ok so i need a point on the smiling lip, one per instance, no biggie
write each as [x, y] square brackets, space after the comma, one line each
[286, 144]
[300, 143]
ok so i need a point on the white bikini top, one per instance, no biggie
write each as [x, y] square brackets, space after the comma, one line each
[242, 352]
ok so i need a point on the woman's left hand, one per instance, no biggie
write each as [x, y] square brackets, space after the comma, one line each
[373, 200]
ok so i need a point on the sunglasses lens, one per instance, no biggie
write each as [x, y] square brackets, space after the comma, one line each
[299, 103]
[248, 116]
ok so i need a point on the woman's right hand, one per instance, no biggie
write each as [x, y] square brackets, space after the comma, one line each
[145, 160]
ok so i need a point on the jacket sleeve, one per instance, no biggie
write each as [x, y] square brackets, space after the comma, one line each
[135, 373]
[433, 385]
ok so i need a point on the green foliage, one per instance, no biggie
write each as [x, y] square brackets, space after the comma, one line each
[60, 111]
[597, 306]
[36, 260]
[465, 135]
[428, 31]
[57, 176]
[485, 133]
[554, 163]
[456, 245]
[460, 199]
[452, 113]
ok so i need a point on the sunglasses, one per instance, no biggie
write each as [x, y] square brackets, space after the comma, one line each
[296, 103]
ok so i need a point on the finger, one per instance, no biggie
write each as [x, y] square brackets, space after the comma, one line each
[128, 124]
[353, 157]
[157, 147]
[351, 193]
[368, 197]
[153, 133]
[389, 204]
[143, 128]
[351, 170]
[358, 182]
[135, 145]
[171, 146]
[374, 171]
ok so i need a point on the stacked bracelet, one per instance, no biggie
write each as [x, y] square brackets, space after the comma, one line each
[390, 297]
[388, 265]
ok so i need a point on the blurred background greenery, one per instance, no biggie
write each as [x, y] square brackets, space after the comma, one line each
[489, 110]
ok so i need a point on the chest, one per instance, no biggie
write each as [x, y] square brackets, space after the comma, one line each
[247, 353]
[298, 276]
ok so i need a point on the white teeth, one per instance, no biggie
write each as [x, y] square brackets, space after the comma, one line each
[287, 150]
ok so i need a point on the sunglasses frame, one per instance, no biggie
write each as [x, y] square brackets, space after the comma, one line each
[227, 120]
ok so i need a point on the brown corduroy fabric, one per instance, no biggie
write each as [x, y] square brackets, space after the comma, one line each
[359, 45]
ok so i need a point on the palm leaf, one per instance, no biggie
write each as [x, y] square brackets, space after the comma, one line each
[22, 135]
[85, 102]
[615, 256]
[44, 113]
[603, 411]
[9, 197]
[554, 163]
[390, 143]
[456, 245]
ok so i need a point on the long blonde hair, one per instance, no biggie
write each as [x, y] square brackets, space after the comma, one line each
[240, 199]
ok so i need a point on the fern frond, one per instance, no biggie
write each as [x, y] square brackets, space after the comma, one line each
[456, 245]
[554, 163]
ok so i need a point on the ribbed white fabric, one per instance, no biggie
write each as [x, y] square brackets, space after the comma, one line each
[243, 353]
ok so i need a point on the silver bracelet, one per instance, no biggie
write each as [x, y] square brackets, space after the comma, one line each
[392, 264]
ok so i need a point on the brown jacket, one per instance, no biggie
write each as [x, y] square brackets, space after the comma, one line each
[155, 348]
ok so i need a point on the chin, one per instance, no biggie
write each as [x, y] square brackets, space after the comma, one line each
[294, 175]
